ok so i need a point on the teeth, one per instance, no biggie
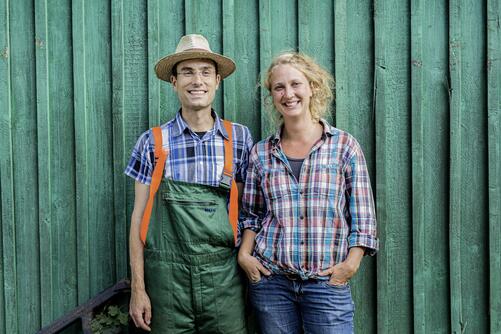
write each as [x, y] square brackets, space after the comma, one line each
[197, 92]
[291, 104]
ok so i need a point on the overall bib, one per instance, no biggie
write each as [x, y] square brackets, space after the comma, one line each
[190, 265]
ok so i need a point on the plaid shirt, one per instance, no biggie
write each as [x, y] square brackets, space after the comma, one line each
[191, 158]
[307, 225]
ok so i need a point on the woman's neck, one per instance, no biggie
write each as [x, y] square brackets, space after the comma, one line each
[299, 136]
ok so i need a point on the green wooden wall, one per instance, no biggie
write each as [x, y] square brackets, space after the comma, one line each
[418, 83]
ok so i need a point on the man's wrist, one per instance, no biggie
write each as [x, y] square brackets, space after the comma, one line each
[137, 285]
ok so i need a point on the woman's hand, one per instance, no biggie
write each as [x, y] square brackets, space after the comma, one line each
[252, 267]
[342, 272]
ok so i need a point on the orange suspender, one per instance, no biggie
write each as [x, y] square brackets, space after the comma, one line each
[228, 172]
[161, 156]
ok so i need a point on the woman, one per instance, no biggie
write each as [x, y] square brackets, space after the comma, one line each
[308, 209]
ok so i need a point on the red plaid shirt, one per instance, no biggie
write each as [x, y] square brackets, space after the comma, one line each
[307, 225]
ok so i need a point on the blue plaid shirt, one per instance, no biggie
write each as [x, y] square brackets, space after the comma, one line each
[191, 158]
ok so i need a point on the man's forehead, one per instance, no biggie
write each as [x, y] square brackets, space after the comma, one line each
[197, 63]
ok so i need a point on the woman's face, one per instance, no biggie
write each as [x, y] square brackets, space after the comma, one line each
[290, 91]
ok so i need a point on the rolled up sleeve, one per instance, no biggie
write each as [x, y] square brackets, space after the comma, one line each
[253, 206]
[361, 213]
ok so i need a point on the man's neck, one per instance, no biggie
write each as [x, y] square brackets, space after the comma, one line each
[198, 120]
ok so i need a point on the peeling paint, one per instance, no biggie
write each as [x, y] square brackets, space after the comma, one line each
[5, 53]
[416, 63]
[39, 43]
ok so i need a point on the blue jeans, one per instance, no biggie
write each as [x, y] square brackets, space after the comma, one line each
[290, 306]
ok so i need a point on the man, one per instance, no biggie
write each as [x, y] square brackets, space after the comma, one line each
[183, 260]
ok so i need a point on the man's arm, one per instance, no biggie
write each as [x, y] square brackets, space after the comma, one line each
[140, 306]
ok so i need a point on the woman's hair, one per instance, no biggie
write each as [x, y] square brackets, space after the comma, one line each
[320, 80]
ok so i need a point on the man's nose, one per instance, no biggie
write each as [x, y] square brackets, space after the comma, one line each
[197, 77]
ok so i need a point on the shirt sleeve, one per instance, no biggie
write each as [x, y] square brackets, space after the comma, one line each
[253, 205]
[241, 170]
[361, 210]
[140, 166]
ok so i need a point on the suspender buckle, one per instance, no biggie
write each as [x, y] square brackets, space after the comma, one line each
[226, 181]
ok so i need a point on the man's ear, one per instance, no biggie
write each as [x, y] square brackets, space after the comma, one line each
[218, 80]
[173, 81]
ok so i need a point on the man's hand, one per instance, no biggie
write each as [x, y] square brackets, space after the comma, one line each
[140, 309]
[252, 267]
[140, 305]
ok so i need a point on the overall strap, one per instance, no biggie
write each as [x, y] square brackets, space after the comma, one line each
[160, 157]
[227, 180]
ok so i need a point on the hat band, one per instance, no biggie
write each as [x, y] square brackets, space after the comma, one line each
[196, 50]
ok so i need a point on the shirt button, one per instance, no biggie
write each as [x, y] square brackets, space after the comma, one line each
[301, 217]
[300, 192]
[302, 242]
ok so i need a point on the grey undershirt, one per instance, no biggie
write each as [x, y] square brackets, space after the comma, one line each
[296, 165]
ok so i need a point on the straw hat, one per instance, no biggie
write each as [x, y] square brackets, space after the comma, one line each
[193, 47]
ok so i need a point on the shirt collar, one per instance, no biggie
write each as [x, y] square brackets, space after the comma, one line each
[180, 125]
[327, 131]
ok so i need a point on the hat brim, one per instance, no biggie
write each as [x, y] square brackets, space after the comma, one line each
[164, 67]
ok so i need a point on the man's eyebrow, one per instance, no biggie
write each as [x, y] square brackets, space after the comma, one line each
[188, 68]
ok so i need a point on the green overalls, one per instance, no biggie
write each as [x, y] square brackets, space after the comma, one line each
[190, 267]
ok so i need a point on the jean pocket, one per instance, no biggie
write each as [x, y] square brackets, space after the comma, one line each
[340, 287]
[262, 280]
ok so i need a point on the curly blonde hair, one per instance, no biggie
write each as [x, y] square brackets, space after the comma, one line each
[320, 80]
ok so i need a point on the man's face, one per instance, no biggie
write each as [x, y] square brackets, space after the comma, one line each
[196, 84]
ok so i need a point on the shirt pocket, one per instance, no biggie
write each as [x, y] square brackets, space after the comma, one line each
[324, 190]
[279, 195]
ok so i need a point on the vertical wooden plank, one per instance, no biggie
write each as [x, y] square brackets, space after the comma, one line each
[25, 173]
[468, 181]
[130, 102]
[93, 127]
[229, 92]
[44, 158]
[273, 17]
[119, 151]
[354, 49]
[100, 145]
[265, 57]
[429, 165]
[163, 37]
[81, 157]
[316, 34]
[241, 98]
[494, 158]
[56, 171]
[8, 302]
[393, 177]
[205, 17]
